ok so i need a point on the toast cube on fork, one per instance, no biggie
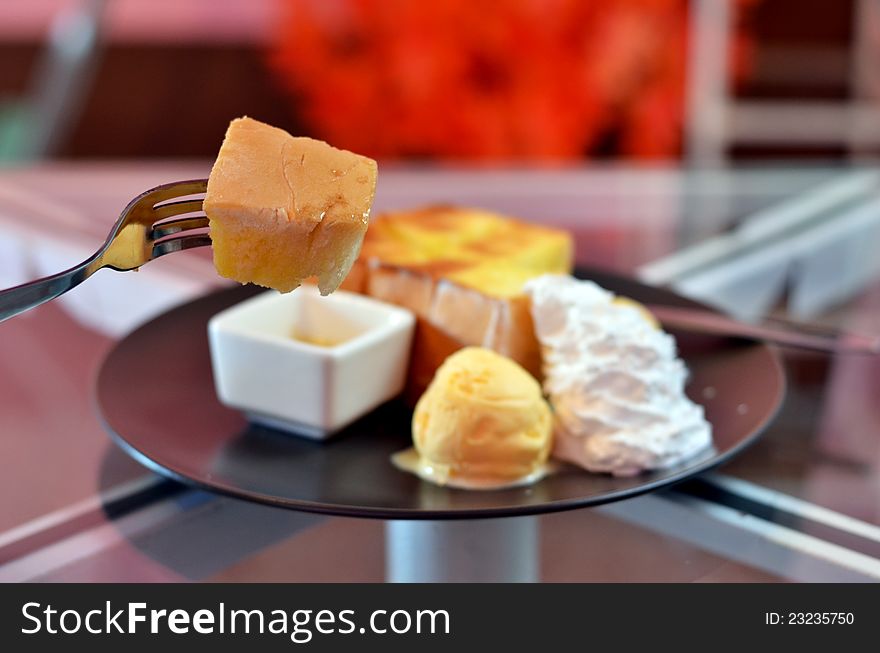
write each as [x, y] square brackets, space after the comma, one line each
[284, 209]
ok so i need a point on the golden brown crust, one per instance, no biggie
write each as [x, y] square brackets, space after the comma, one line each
[283, 208]
[461, 272]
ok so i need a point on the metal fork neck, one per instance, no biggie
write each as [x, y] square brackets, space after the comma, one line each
[29, 295]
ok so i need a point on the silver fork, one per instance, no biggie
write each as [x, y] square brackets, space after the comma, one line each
[775, 330]
[146, 229]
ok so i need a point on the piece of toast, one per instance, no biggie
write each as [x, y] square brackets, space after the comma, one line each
[282, 209]
[461, 271]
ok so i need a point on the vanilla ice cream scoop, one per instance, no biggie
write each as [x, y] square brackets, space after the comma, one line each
[482, 423]
[614, 379]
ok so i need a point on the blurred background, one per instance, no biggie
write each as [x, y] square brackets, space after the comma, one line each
[703, 81]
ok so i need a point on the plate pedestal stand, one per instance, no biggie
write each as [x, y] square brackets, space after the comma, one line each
[505, 550]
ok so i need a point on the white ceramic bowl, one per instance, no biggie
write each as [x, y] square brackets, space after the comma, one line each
[264, 365]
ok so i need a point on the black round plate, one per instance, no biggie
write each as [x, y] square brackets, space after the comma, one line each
[156, 395]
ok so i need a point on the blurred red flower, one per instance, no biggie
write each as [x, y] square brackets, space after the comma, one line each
[500, 79]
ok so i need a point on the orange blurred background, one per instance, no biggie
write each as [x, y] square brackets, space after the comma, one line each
[508, 80]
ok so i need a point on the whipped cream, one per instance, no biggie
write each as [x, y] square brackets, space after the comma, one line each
[614, 380]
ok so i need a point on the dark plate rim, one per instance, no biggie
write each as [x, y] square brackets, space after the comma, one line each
[342, 510]
[168, 470]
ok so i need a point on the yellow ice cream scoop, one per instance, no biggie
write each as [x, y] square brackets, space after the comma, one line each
[482, 423]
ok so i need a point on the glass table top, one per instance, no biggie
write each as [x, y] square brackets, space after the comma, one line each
[801, 504]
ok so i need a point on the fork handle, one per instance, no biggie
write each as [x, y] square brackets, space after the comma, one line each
[781, 333]
[29, 295]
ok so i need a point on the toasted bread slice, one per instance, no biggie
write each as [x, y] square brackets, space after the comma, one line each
[282, 209]
[462, 272]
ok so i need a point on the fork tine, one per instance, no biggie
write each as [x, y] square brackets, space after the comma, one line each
[175, 226]
[181, 243]
[171, 191]
[176, 208]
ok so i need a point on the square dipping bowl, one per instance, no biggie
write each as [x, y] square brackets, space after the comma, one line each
[309, 364]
